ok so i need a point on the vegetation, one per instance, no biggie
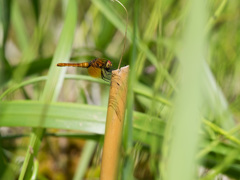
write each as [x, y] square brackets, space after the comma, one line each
[182, 119]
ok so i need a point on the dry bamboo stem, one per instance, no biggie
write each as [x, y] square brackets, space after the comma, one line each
[114, 124]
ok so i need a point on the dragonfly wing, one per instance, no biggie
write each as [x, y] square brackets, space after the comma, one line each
[99, 62]
[95, 72]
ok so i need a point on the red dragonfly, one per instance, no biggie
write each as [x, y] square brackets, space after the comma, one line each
[99, 68]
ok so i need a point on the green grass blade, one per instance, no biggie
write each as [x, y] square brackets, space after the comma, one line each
[53, 84]
[44, 78]
[36, 8]
[19, 26]
[127, 169]
[5, 18]
[213, 19]
[217, 100]
[69, 116]
[85, 159]
[226, 162]
[182, 135]
[5, 68]
[139, 88]
[60, 116]
[79, 117]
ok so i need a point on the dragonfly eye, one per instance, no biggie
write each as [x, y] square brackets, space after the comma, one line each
[108, 64]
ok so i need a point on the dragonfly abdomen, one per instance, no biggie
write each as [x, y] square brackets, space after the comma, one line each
[84, 65]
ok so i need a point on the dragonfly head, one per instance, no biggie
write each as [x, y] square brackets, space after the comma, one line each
[108, 64]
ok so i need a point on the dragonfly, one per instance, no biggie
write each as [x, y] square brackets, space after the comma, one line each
[98, 68]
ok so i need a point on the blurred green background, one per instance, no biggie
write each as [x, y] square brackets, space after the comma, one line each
[182, 119]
